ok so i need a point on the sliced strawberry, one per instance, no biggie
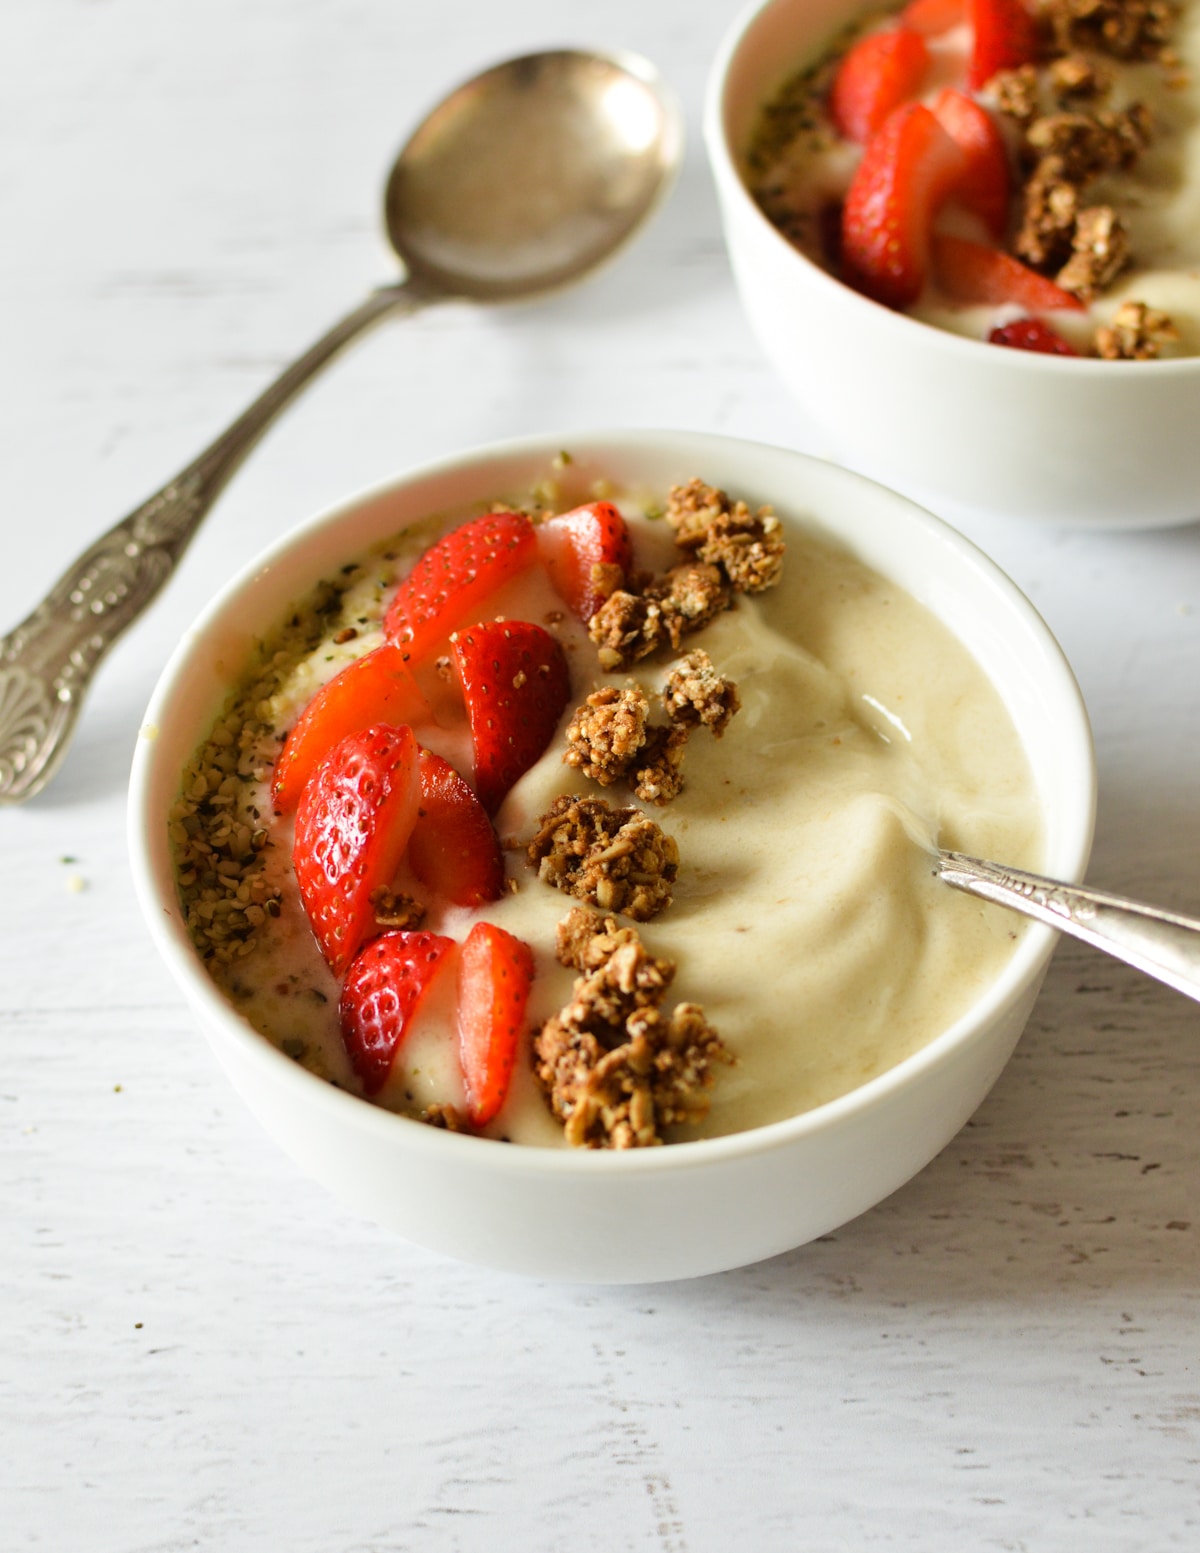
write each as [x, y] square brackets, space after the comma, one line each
[453, 848]
[970, 273]
[376, 688]
[382, 991]
[575, 543]
[876, 75]
[1004, 37]
[1031, 334]
[909, 166]
[986, 182]
[454, 579]
[932, 17]
[495, 973]
[353, 822]
[515, 684]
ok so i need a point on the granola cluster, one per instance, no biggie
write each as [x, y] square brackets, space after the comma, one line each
[1069, 136]
[616, 1067]
[616, 859]
[1136, 333]
[730, 550]
[610, 739]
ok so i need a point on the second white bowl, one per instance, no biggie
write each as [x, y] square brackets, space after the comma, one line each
[958, 424]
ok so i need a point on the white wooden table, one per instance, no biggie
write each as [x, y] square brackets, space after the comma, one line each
[199, 1349]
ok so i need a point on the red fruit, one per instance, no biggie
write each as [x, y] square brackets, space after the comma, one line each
[932, 17]
[376, 688]
[515, 683]
[908, 168]
[1005, 36]
[352, 827]
[880, 72]
[454, 579]
[382, 991]
[495, 973]
[1031, 334]
[576, 542]
[453, 848]
[968, 272]
[986, 182]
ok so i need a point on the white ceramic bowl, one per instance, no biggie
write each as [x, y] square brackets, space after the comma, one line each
[955, 423]
[689, 1208]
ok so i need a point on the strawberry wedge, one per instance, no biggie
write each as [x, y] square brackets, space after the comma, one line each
[932, 17]
[515, 684]
[455, 578]
[1031, 334]
[494, 977]
[588, 555]
[383, 990]
[986, 183]
[453, 849]
[880, 72]
[908, 169]
[1004, 37]
[972, 273]
[352, 827]
[376, 688]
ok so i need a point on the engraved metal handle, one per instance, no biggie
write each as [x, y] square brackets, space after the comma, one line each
[1160, 943]
[47, 662]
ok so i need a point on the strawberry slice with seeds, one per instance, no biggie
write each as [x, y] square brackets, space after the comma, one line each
[515, 684]
[456, 577]
[383, 989]
[574, 544]
[376, 688]
[932, 17]
[909, 167]
[986, 182]
[353, 822]
[453, 848]
[1004, 37]
[495, 973]
[877, 74]
[1031, 334]
[972, 273]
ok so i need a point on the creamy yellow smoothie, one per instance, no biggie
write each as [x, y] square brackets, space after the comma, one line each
[806, 919]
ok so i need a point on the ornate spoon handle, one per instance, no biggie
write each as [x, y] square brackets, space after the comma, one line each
[1160, 943]
[47, 662]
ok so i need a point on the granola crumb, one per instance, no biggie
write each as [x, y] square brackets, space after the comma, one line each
[688, 597]
[395, 910]
[1137, 333]
[1100, 251]
[627, 628]
[1122, 29]
[606, 733]
[747, 546]
[695, 695]
[447, 1117]
[657, 775]
[1078, 75]
[1015, 92]
[615, 1067]
[616, 859]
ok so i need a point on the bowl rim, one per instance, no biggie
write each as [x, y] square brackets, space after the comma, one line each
[154, 888]
[731, 183]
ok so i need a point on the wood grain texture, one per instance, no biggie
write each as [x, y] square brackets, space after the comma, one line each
[201, 1350]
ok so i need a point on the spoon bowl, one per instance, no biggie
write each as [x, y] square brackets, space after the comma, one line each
[523, 180]
[531, 174]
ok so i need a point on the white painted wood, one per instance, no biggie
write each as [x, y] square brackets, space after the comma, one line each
[199, 1349]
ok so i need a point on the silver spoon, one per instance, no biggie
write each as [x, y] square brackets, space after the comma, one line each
[1160, 943]
[523, 180]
